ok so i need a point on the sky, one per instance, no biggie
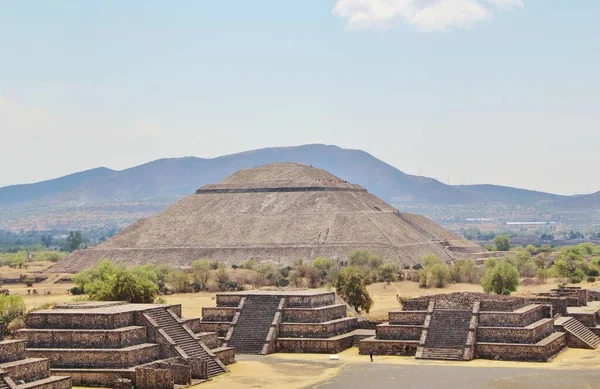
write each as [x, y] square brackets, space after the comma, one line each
[465, 91]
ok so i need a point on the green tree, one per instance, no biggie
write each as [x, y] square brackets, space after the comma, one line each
[179, 280]
[388, 272]
[502, 242]
[351, 287]
[570, 264]
[110, 282]
[74, 240]
[434, 272]
[500, 278]
[201, 272]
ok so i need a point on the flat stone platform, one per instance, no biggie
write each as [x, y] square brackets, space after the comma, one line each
[282, 293]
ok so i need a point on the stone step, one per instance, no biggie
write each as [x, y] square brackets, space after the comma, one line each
[443, 354]
[580, 331]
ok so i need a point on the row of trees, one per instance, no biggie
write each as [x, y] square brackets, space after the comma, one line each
[19, 259]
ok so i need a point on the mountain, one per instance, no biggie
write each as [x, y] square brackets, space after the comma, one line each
[103, 196]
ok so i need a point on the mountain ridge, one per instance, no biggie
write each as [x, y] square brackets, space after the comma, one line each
[164, 181]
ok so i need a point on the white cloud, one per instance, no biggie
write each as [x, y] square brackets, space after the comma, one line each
[425, 15]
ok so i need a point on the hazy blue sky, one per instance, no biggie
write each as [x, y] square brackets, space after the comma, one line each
[465, 91]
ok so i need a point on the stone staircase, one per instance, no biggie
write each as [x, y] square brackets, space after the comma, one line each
[581, 332]
[447, 335]
[250, 332]
[184, 339]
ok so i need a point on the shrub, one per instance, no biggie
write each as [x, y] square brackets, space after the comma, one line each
[16, 324]
[591, 279]
[76, 290]
[11, 307]
[503, 276]
[29, 282]
[178, 280]
[502, 242]
[351, 287]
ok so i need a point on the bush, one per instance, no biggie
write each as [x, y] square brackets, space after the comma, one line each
[28, 282]
[434, 272]
[591, 279]
[502, 243]
[76, 291]
[503, 276]
[16, 324]
[11, 307]
[351, 287]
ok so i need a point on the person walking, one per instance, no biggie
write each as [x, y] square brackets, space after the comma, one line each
[371, 355]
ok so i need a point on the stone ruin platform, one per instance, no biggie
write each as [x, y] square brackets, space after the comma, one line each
[99, 343]
[464, 326]
[264, 322]
[18, 370]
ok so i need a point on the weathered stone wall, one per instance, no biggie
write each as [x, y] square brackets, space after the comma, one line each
[559, 304]
[12, 350]
[308, 345]
[122, 337]
[317, 330]
[182, 372]
[526, 335]
[78, 321]
[99, 358]
[123, 383]
[220, 327]
[388, 347]
[588, 319]
[407, 317]
[397, 332]
[225, 300]
[522, 352]
[305, 301]
[512, 319]
[194, 324]
[501, 306]
[210, 339]
[149, 378]
[314, 315]
[218, 313]
[106, 378]
[368, 324]
[225, 354]
[29, 370]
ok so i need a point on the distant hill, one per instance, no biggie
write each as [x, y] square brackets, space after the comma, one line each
[100, 196]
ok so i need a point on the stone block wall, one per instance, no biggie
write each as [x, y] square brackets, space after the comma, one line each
[559, 304]
[149, 378]
[588, 319]
[218, 313]
[407, 317]
[314, 315]
[99, 358]
[12, 350]
[77, 321]
[194, 324]
[119, 338]
[105, 378]
[210, 339]
[512, 319]
[522, 352]
[219, 327]
[524, 335]
[317, 330]
[28, 370]
[225, 354]
[182, 372]
[225, 300]
[388, 347]
[328, 346]
[310, 301]
[399, 332]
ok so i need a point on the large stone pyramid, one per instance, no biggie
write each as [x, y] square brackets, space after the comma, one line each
[279, 212]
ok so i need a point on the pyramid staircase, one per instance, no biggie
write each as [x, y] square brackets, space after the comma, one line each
[578, 330]
[250, 333]
[447, 335]
[167, 321]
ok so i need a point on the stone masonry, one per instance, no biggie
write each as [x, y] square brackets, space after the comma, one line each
[264, 322]
[98, 343]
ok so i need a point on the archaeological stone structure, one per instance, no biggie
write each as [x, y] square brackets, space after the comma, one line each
[19, 370]
[116, 343]
[464, 326]
[264, 322]
[276, 213]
